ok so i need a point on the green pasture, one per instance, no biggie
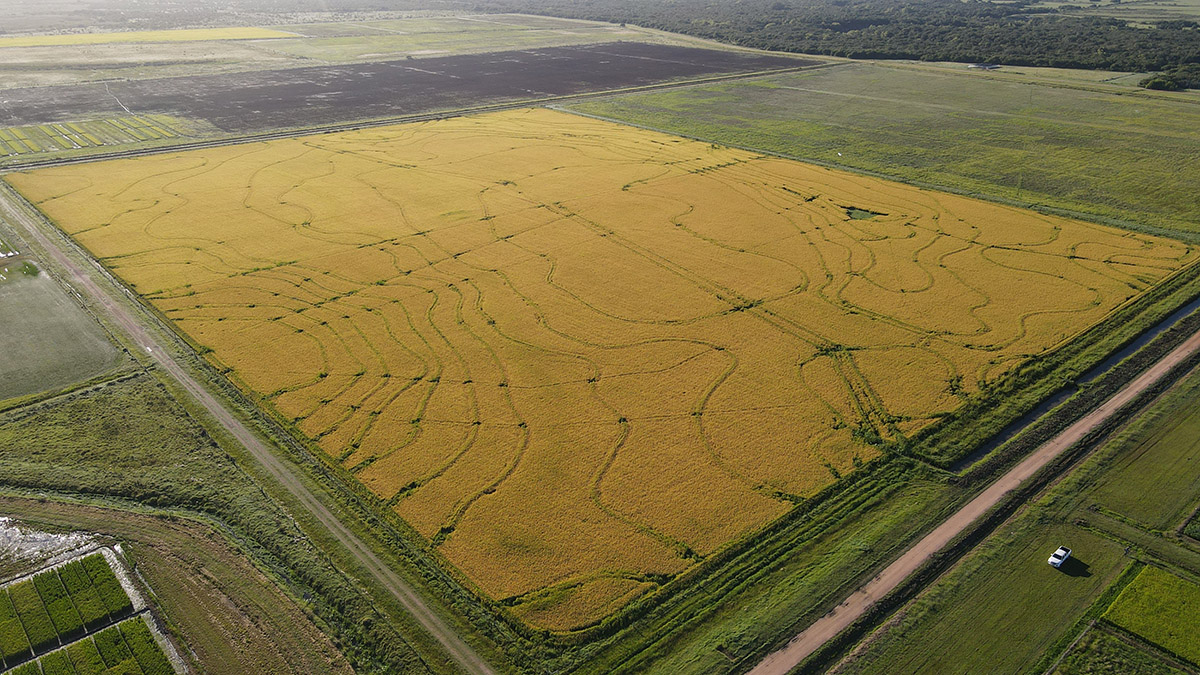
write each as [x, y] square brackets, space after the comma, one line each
[1110, 152]
[1155, 482]
[47, 340]
[1023, 613]
[1100, 652]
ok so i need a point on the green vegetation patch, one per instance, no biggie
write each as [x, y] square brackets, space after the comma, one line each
[58, 604]
[1102, 653]
[1162, 463]
[1162, 608]
[57, 663]
[85, 657]
[110, 591]
[46, 339]
[145, 651]
[14, 646]
[79, 585]
[38, 626]
[1094, 151]
[112, 647]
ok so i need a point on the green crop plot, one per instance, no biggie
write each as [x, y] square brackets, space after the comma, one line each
[46, 339]
[147, 654]
[58, 604]
[86, 658]
[57, 663]
[77, 582]
[1103, 653]
[1090, 149]
[38, 626]
[14, 646]
[115, 600]
[113, 649]
[1163, 464]
[88, 134]
[1162, 608]
[127, 648]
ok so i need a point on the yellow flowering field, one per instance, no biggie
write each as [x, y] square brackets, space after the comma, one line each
[581, 357]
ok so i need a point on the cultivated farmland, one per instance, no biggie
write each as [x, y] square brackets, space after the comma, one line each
[1163, 608]
[181, 35]
[300, 97]
[579, 357]
[49, 340]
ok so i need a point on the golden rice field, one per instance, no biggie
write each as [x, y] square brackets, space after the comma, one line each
[178, 35]
[580, 357]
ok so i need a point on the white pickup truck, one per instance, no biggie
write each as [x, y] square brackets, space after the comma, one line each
[1060, 556]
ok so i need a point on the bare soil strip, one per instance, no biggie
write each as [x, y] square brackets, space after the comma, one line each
[285, 473]
[260, 101]
[810, 639]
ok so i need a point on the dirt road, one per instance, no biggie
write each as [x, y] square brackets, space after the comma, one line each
[811, 638]
[287, 475]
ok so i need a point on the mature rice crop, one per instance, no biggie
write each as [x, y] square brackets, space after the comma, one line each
[580, 357]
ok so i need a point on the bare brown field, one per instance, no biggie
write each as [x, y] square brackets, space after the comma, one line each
[580, 357]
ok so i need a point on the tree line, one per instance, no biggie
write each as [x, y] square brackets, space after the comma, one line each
[974, 31]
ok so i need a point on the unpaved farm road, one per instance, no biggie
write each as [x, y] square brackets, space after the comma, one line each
[810, 639]
[284, 472]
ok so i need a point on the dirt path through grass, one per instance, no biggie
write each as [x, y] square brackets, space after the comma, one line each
[809, 640]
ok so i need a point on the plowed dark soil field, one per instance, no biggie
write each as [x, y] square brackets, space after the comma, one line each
[300, 97]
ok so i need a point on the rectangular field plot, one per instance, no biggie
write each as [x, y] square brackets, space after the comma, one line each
[182, 35]
[127, 648]
[55, 607]
[86, 134]
[580, 357]
[1162, 608]
[300, 97]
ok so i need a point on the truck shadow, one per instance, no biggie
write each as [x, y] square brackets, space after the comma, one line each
[1074, 567]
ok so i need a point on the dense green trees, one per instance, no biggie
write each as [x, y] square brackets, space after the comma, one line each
[932, 30]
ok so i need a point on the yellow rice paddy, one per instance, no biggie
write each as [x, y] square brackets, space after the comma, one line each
[580, 357]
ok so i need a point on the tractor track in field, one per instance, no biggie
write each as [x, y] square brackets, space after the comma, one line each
[284, 472]
[811, 639]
